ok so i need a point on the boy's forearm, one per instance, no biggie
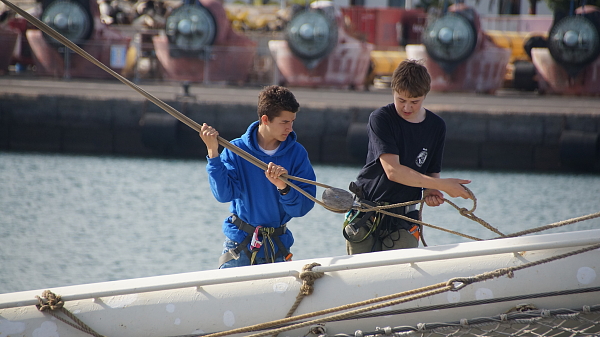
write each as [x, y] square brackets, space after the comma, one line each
[406, 176]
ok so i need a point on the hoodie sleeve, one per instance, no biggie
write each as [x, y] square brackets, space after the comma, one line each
[222, 177]
[294, 203]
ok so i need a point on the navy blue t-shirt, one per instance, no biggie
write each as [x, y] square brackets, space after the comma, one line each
[419, 146]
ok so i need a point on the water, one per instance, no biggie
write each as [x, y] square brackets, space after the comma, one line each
[68, 220]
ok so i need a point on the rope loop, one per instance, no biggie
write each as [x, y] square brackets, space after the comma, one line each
[462, 282]
[49, 301]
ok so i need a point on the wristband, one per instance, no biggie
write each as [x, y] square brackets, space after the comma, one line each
[285, 190]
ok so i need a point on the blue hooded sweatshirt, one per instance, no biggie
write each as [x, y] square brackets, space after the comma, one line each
[254, 199]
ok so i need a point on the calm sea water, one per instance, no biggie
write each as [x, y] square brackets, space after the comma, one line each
[68, 220]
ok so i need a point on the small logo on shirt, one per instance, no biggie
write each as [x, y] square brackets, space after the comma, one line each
[421, 158]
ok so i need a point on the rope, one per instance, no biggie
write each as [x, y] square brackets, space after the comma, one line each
[308, 280]
[509, 271]
[348, 314]
[51, 303]
[326, 311]
[556, 225]
[436, 307]
[469, 214]
[197, 127]
[381, 209]
[167, 108]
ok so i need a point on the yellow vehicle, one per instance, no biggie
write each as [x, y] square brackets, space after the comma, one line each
[520, 72]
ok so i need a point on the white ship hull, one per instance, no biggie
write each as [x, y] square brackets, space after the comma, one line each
[220, 300]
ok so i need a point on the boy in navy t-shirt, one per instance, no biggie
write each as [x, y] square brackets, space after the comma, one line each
[404, 160]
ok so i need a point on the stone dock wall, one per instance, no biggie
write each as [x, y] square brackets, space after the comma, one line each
[84, 125]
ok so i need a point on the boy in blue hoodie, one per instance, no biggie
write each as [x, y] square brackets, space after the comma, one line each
[261, 203]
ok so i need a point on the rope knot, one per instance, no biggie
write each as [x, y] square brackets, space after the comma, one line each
[49, 301]
[309, 277]
[465, 212]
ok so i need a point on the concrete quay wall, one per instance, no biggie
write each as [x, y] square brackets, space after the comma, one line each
[475, 140]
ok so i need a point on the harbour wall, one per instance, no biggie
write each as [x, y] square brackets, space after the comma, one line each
[475, 140]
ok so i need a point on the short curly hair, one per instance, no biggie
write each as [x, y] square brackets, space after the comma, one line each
[412, 77]
[274, 99]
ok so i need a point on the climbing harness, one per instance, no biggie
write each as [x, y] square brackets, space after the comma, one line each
[363, 206]
[372, 219]
[379, 225]
[270, 238]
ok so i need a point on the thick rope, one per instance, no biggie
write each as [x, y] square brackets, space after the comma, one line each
[349, 314]
[327, 311]
[53, 304]
[167, 108]
[509, 271]
[308, 278]
[197, 127]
